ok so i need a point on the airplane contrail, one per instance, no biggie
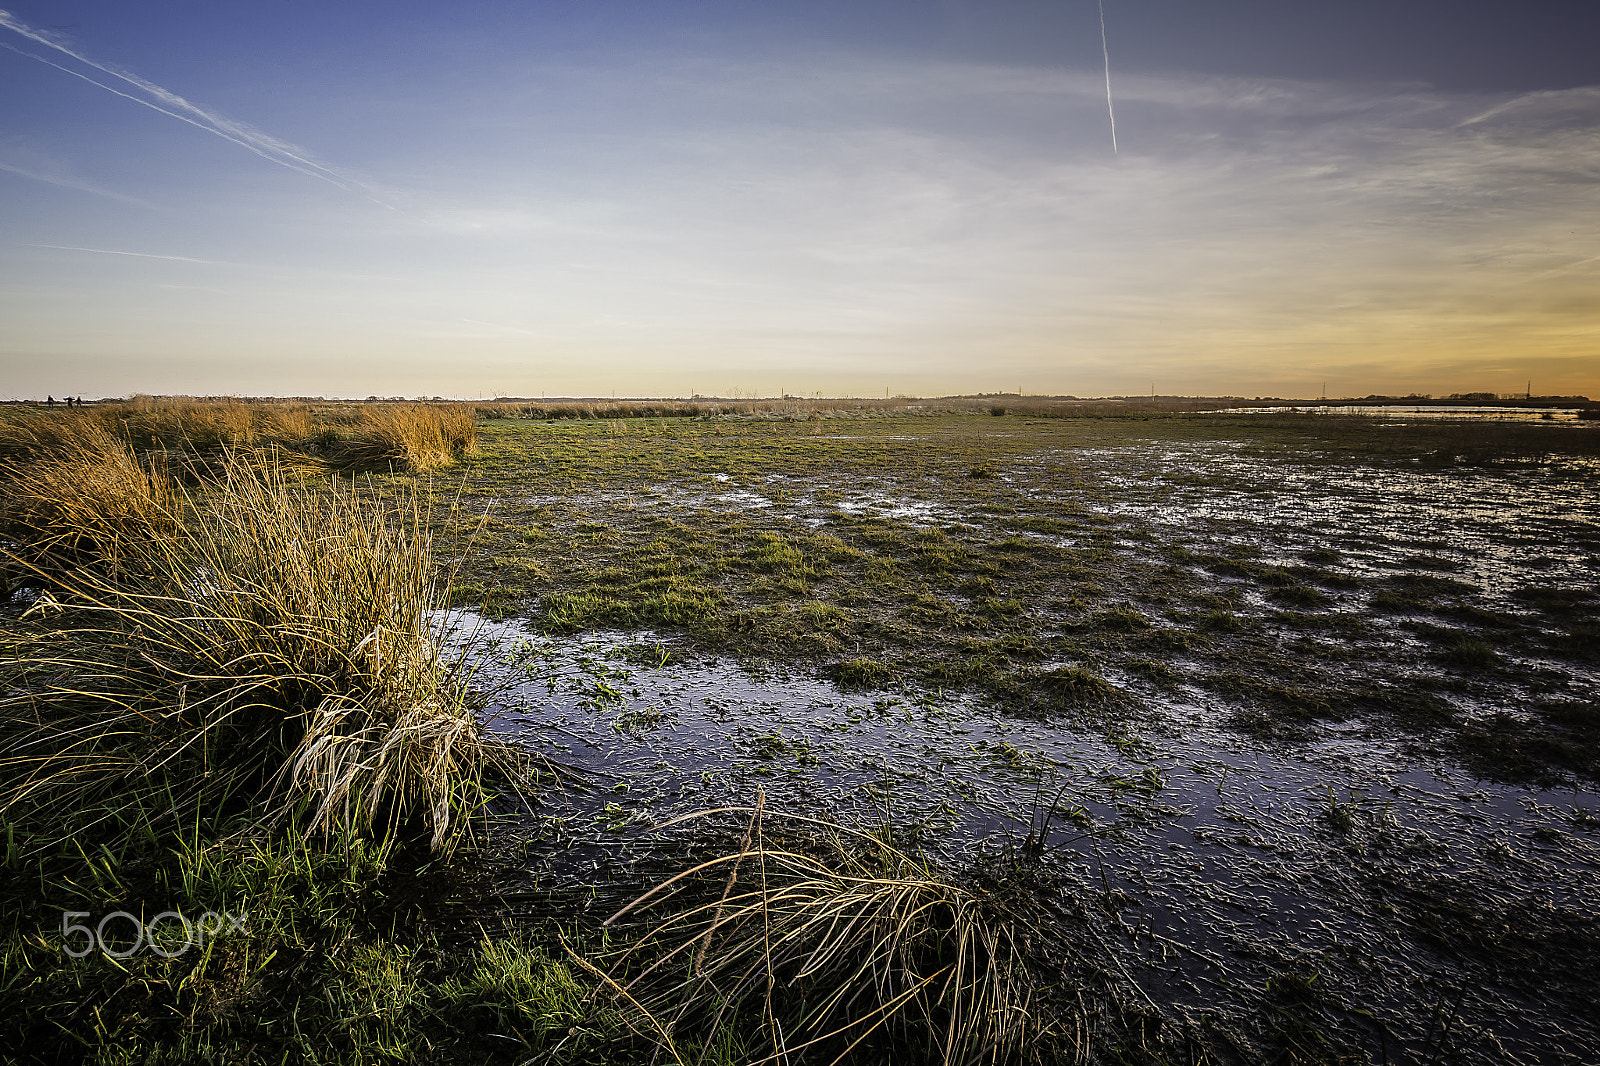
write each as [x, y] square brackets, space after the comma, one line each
[1105, 51]
[172, 114]
[174, 106]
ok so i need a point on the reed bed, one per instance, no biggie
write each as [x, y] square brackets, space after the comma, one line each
[832, 946]
[86, 499]
[274, 646]
[34, 435]
[189, 434]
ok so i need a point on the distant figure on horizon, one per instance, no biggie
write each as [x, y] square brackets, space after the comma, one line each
[69, 401]
[49, 401]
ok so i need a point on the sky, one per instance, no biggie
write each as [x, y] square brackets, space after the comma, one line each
[755, 197]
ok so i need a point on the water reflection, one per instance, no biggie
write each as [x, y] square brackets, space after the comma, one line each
[1215, 859]
[1425, 411]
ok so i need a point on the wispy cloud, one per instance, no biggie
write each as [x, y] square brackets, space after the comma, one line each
[68, 182]
[172, 105]
[114, 251]
[1543, 106]
[962, 215]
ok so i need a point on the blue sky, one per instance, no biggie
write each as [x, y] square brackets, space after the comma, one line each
[660, 198]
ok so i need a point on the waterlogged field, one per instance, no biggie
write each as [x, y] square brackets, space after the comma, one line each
[1285, 733]
[797, 733]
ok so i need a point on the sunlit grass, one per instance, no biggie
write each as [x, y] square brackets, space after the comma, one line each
[188, 434]
[283, 643]
[85, 499]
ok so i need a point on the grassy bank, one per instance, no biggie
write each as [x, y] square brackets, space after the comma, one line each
[236, 711]
[244, 793]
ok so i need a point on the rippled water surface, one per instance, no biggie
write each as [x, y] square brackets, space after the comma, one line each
[1225, 860]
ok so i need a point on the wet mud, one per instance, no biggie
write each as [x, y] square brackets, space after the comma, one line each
[1211, 875]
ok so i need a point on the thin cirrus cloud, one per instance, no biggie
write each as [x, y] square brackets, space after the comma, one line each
[1250, 219]
[52, 176]
[114, 251]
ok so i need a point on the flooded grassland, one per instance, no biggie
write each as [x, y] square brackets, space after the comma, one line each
[1281, 731]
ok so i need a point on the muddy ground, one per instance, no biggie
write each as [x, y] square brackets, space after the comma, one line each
[1282, 731]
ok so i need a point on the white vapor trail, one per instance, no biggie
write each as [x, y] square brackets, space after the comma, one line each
[174, 106]
[1105, 51]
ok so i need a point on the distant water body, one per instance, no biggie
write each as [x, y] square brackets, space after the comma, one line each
[1498, 414]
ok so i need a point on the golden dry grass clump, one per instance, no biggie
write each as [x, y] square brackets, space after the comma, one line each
[276, 643]
[822, 947]
[84, 498]
[179, 421]
[404, 437]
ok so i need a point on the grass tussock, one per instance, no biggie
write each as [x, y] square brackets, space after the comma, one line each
[88, 499]
[836, 948]
[410, 437]
[181, 421]
[279, 651]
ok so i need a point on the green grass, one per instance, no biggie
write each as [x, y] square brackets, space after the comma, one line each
[347, 956]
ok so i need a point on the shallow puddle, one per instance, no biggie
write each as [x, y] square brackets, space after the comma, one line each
[1493, 528]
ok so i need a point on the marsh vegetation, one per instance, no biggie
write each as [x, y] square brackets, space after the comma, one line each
[892, 730]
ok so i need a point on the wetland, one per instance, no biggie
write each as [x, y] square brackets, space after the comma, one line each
[1271, 737]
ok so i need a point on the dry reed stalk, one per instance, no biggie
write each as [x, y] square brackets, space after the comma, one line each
[828, 949]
